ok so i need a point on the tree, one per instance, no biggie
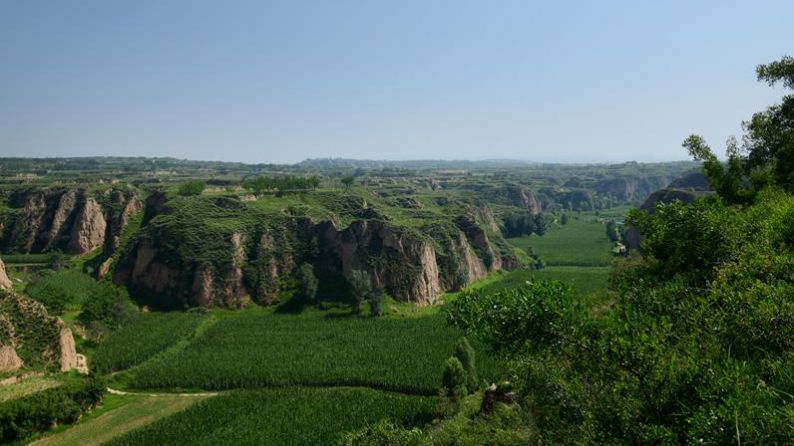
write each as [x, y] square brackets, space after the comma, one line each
[766, 155]
[109, 306]
[541, 224]
[360, 289]
[465, 354]
[564, 219]
[307, 282]
[376, 298]
[191, 188]
[348, 181]
[454, 378]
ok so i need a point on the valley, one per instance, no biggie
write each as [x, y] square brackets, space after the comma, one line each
[201, 319]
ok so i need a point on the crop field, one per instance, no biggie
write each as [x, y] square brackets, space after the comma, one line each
[581, 242]
[120, 415]
[150, 334]
[585, 280]
[285, 416]
[255, 348]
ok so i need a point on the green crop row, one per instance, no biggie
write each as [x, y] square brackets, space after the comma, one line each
[138, 341]
[288, 416]
[260, 349]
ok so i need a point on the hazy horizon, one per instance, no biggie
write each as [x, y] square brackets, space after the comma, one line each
[263, 82]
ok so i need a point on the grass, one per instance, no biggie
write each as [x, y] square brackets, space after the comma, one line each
[258, 348]
[122, 414]
[26, 387]
[285, 416]
[581, 242]
[147, 336]
[61, 290]
[589, 281]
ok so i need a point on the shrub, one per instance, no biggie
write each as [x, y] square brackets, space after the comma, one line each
[465, 354]
[376, 302]
[307, 282]
[22, 417]
[107, 306]
[454, 378]
[191, 188]
[360, 288]
[385, 433]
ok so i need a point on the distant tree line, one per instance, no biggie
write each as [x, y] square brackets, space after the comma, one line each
[286, 183]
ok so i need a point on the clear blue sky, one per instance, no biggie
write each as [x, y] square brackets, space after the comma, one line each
[282, 81]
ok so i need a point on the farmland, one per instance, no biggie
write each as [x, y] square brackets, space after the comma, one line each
[150, 334]
[289, 416]
[256, 348]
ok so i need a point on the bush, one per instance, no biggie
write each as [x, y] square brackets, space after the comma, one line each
[376, 300]
[107, 307]
[191, 188]
[22, 417]
[307, 283]
[360, 288]
[465, 354]
[454, 379]
[385, 433]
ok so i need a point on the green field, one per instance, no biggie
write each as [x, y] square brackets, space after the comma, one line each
[150, 334]
[586, 280]
[581, 242]
[259, 348]
[288, 416]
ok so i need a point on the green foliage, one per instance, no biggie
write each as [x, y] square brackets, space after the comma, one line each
[286, 183]
[254, 349]
[22, 417]
[766, 157]
[107, 306]
[143, 338]
[61, 290]
[376, 300]
[35, 331]
[385, 433]
[307, 282]
[348, 181]
[695, 350]
[465, 354]
[191, 188]
[564, 219]
[454, 378]
[300, 416]
[360, 289]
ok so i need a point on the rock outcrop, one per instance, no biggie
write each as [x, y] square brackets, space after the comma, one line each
[69, 358]
[5, 282]
[9, 360]
[88, 232]
[70, 220]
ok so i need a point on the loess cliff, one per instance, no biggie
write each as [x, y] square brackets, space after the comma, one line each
[223, 252]
[75, 221]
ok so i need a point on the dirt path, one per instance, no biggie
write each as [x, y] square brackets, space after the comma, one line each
[187, 394]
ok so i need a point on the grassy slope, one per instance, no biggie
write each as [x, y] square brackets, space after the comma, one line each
[27, 387]
[124, 413]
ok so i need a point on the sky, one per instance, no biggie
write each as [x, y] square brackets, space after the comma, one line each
[278, 82]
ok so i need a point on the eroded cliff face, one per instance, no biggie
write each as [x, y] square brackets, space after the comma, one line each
[76, 221]
[5, 282]
[29, 335]
[257, 264]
